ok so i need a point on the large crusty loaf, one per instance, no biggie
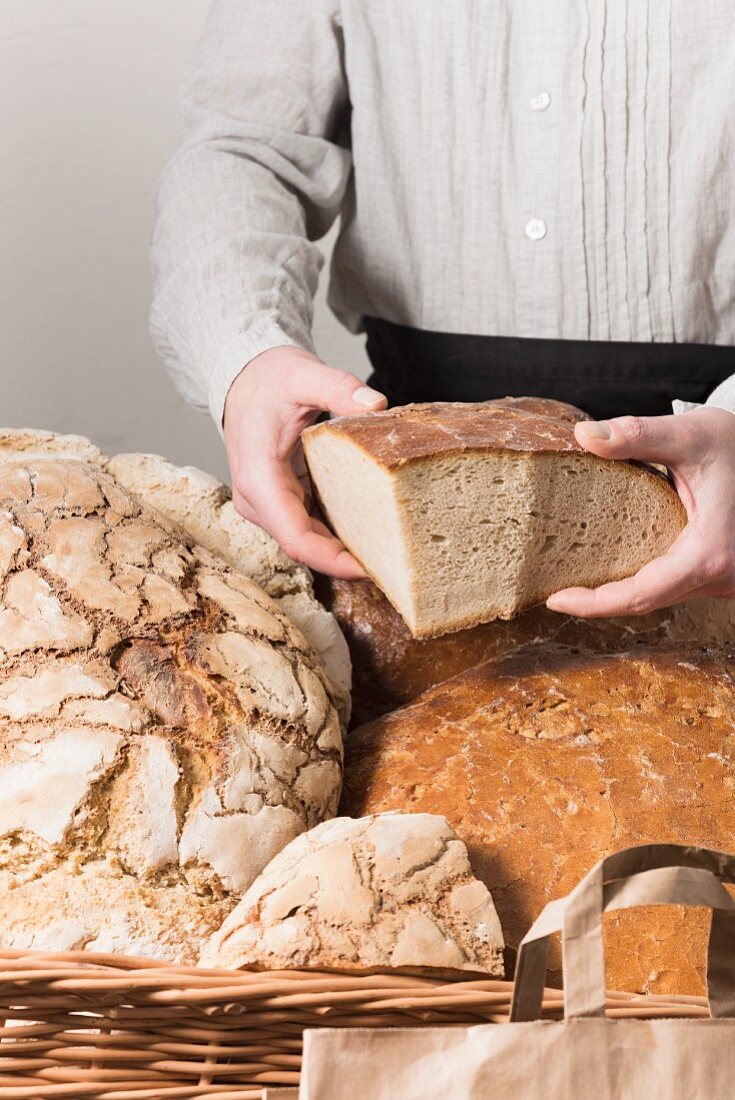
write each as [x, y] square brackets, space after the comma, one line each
[203, 506]
[164, 728]
[466, 513]
[390, 667]
[548, 758]
[393, 891]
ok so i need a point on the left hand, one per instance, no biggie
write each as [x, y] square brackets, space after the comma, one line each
[699, 449]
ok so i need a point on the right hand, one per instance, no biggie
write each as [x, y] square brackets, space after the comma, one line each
[278, 394]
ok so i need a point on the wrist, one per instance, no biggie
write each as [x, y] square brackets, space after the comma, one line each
[235, 357]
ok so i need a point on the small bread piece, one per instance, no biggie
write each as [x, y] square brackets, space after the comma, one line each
[464, 513]
[549, 758]
[203, 506]
[390, 667]
[393, 891]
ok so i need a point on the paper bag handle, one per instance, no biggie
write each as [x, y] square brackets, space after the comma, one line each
[651, 874]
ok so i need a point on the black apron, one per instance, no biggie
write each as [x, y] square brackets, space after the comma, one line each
[604, 378]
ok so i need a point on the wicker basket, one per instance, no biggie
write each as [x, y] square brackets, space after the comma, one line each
[81, 1025]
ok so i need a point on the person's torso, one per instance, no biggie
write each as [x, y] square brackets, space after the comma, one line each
[542, 168]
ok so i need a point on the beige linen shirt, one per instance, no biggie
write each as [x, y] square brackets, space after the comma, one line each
[536, 168]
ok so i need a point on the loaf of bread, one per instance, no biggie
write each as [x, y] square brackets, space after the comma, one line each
[466, 513]
[164, 728]
[394, 891]
[390, 667]
[203, 506]
[547, 759]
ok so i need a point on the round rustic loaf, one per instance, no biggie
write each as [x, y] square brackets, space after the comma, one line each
[549, 758]
[390, 667]
[165, 729]
[393, 891]
[203, 506]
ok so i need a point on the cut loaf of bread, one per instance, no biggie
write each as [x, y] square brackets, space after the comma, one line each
[464, 513]
[389, 892]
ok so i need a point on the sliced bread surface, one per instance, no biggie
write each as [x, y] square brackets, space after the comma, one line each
[465, 513]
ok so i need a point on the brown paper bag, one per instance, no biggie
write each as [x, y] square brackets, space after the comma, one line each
[586, 1055]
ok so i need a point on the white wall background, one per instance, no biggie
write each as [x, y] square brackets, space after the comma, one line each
[87, 121]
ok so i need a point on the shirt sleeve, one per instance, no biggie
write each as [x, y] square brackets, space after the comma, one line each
[722, 397]
[260, 174]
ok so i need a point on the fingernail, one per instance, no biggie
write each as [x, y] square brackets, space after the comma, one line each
[365, 396]
[595, 429]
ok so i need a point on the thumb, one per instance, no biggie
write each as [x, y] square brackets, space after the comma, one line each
[317, 386]
[664, 439]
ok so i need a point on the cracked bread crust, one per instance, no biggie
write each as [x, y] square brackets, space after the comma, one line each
[162, 722]
[546, 759]
[393, 891]
[203, 506]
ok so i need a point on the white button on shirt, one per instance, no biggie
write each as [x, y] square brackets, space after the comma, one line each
[535, 229]
[411, 123]
[540, 102]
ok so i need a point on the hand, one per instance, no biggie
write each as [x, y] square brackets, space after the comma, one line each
[279, 393]
[699, 449]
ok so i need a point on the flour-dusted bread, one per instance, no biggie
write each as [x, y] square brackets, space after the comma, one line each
[390, 667]
[164, 728]
[547, 759]
[36, 443]
[464, 513]
[394, 891]
[542, 406]
[203, 506]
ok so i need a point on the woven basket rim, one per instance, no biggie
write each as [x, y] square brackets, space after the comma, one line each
[98, 967]
[106, 1027]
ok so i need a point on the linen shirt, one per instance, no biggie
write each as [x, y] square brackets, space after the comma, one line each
[536, 168]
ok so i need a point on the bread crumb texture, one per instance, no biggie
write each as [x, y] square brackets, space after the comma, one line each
[165, 728]
[389, 891]
[546, 759]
